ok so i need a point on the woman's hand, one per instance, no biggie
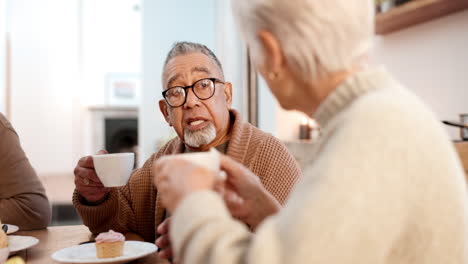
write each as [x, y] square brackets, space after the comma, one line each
[164, 242]
[245, 195]
[177, 178]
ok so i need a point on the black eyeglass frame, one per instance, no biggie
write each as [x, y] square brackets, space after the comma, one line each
[214, 80]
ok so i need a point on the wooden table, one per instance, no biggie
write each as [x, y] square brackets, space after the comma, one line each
[56, 238]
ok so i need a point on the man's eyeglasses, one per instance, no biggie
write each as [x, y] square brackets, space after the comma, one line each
[203, 89]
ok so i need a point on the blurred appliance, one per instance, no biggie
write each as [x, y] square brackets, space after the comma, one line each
[121, 135]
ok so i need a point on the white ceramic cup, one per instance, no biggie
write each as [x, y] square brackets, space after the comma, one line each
[209, 159]
[114, 170]
[4, 252]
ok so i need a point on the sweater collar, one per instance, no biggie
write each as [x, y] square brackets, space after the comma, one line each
[350, 90]
[241, 132]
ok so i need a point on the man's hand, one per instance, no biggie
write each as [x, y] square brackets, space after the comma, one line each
[87, 182]
[244, 194]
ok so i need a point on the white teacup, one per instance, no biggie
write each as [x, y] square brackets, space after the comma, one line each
[114, 170]
[209, 159]
[4, 252]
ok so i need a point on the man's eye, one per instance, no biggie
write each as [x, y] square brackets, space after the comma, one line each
[205, 84]
[176, 93]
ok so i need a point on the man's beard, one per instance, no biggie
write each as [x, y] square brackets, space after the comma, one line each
[200, 137]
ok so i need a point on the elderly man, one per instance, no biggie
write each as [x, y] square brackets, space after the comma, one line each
[197, 104]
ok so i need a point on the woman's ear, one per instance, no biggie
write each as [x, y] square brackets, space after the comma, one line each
[273, 55]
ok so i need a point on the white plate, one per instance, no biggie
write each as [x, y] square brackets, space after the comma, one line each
[18, 243]
[86, 253]
[12, 229]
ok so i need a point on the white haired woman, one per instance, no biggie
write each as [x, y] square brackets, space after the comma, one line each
[382, 185]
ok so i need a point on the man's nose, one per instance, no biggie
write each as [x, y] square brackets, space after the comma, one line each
[192, 99]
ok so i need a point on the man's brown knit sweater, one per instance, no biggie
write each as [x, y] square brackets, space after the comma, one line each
[136, 207]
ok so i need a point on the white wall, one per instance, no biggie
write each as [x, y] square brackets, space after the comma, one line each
[231, 52]
[61, 53]
[44, 39]
[268, 109]
[3, 29]
[165, 22]
[111, 38]
[431, 59]
[111, 43]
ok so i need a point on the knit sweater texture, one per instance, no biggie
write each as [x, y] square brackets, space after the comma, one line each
[23, 200]
[137, 208]
[382, 186]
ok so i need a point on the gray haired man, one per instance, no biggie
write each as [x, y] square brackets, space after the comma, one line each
[196, 102]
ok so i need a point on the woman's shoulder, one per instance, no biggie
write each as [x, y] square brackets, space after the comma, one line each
[389, 116]
[390, 106]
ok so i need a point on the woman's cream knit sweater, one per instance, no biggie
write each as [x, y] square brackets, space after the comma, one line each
[383, 186]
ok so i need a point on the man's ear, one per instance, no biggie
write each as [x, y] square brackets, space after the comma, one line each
[228, 93]
[273, 54]
[163, 107]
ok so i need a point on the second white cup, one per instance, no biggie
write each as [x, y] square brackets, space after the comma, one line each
[209, 159]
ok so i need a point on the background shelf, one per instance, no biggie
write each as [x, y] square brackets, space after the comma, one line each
[416, 12]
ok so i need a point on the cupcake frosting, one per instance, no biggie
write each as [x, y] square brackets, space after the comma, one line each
[109, 237]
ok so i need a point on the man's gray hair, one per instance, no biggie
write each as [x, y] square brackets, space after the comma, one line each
[185, 47]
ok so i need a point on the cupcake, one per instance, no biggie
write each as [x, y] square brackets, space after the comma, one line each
[109, 244]
[15, 260]
[4, 250]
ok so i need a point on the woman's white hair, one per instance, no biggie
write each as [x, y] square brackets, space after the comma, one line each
[317, 37]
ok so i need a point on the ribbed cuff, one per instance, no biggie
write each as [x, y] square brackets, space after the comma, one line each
[93, 215]
[190, 215]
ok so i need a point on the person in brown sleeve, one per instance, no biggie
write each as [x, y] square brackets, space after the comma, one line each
[23, 201]
[197, 104]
